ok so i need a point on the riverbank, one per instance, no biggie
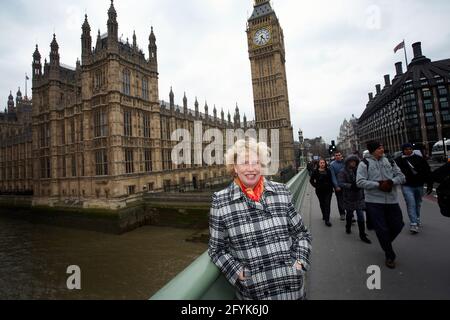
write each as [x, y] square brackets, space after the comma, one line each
[158, 211]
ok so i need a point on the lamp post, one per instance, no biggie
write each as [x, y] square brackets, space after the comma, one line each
[301, 140]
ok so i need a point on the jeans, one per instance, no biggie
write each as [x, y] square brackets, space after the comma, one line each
[413, 198]
[387, 220]
[359, 213]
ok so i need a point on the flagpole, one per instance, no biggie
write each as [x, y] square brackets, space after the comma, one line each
[406, 57]
[26, 80]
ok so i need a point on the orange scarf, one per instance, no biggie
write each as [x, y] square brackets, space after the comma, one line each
[254, 193]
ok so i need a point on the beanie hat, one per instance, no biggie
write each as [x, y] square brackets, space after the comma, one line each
[373, 145]
[407, 146]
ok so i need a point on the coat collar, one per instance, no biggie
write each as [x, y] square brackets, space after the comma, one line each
[236, 192]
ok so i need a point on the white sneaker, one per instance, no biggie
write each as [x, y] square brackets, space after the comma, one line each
[414, 229]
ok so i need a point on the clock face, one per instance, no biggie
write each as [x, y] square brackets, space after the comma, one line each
[261, 37]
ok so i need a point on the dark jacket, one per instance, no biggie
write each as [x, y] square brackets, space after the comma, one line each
[352, 195]
[322, 182]
[416, 170]
[442, 176]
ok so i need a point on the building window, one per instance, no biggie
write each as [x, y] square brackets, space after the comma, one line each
[127, 124]
[442, 90]
[146, 119]
[444, 103]
[100, 123]
[45, 168]
[74, 166]
[426, 93]
[63, 133]
[428, 105]
[129, 165]
[145, 94]
[64, 168]
[126, 82]
[148, 160]
[101, 163]
[167, 159]
[131, 190]
[45, 135]
[72, 130]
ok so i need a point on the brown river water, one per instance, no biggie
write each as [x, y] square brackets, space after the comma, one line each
[34, 259]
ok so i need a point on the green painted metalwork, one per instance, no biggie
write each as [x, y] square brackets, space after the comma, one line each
[202, 280]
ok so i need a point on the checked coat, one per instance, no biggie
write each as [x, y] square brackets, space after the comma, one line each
[264, 239]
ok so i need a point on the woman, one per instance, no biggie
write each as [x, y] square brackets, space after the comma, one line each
[353, 196]
[322, 182]
[257, 238]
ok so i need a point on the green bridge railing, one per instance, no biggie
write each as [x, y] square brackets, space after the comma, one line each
[202, 280]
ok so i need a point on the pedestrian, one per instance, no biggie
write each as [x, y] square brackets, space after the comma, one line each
[336, 166]
[353, 196]
[442, 176]
[417, 173]
[321, 180]
[379, 178]
[257, 237]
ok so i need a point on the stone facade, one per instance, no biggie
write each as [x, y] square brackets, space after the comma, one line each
[348, 142]
[270, 92]
[98, 135]
[16, 161]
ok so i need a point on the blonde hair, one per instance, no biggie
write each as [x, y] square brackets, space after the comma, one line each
[237, 153]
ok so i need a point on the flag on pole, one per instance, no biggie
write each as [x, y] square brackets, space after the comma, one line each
[401, 45]
[26, 77]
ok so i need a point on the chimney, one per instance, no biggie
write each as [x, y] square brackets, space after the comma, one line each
[370, 96]
[387, 80]
[417, 48]
[399, 69]
[378, 86]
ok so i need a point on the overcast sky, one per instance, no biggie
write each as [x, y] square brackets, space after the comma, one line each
[337, 51]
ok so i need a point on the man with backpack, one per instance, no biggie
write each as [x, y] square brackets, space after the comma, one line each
[417, 173]
[379, 178]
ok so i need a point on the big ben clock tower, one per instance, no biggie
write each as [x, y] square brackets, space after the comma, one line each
[270, 92]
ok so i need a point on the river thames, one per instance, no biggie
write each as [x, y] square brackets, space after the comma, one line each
[34, 259]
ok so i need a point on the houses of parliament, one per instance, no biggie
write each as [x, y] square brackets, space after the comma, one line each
[98, 135]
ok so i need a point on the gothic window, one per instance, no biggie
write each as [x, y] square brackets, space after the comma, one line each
[74, 166]
[129, 166]
[72, 130]
[127, 123]
[146, 120]
[145, 94]
[100, 123]
[148, 160]
[64, 168]
[126, 82]
[101, 163]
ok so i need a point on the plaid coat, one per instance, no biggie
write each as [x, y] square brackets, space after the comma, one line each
[263, 239]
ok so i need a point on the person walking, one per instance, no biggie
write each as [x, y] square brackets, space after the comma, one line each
[321, 180]
[257, 238]
[336, 166]
[379, 178]
[442, 176]
[353, 197]
[417, 173]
